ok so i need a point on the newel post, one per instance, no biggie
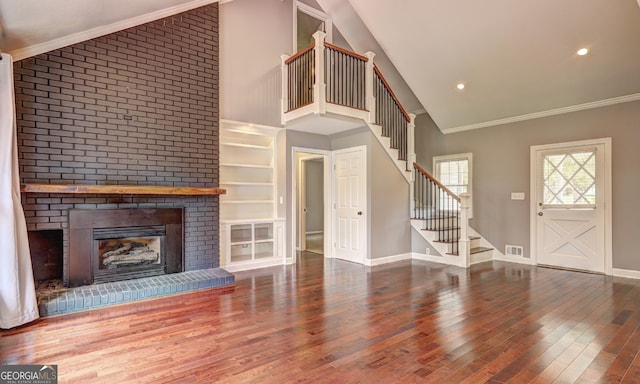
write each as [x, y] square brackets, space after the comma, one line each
[320, 85]
[370, 98]
[411, 141]
[284, 100]
[464, 244]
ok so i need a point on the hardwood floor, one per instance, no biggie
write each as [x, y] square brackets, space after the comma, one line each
[337, 322]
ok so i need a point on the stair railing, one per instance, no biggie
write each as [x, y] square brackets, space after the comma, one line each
[391, 115]
[326, 77]
[440, 210]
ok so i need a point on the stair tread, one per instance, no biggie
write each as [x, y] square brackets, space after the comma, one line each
[475, 237]
[446, 241]
[480, 249]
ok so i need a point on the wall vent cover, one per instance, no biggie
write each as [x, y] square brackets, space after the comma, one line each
[514, 250]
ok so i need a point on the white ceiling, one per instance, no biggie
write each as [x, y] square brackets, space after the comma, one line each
[516, 58]
[30, 27]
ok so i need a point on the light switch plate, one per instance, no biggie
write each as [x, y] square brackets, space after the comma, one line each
[517, 195]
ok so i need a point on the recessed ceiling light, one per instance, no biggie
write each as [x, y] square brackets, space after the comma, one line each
[460, 86]
[582, 51]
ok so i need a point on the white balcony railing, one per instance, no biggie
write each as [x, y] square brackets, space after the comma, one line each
[324, 78]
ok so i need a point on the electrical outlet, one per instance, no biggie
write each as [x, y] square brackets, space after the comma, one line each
[427, 251]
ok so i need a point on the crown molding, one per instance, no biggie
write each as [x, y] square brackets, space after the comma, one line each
[36, 49]
[551, 112]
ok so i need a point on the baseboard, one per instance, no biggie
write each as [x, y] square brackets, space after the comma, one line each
[387, 259]
[254, 265]
[630, 273]
[510, 259]
[448, 260]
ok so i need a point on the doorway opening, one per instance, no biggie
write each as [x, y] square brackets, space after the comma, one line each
[307, 21]
[311, 203]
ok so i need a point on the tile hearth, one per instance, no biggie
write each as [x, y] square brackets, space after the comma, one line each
[55, 299]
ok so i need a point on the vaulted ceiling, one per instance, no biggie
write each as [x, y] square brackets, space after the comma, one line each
[517, 60]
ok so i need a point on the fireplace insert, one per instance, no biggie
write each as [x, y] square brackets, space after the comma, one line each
[128, 253]
[120, 244]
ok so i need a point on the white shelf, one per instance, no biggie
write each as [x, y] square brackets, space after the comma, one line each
[254, 221]
[251, 235]
[242, 145]
[243, 183]
[240, 165]
[246, 201]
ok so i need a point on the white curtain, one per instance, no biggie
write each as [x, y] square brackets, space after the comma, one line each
[18, 303]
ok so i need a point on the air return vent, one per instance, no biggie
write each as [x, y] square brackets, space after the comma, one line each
[513, 250]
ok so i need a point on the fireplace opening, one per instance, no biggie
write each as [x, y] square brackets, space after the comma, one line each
[121, 244]
[128, 253]
[46, 254]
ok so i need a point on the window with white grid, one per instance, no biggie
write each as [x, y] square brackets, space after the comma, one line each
[454, 171]
[570, 179]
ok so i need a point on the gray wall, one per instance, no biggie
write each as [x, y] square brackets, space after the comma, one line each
[253, 35]
[501, 166]
[314, 187]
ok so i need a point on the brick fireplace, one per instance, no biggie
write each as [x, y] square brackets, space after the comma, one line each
[137, 107]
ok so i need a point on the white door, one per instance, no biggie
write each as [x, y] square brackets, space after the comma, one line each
[569, 198]
[350, 203]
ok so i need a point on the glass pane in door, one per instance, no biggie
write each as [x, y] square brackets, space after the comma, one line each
[569, 179]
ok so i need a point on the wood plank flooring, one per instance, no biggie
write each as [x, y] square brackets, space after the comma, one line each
[329, 321]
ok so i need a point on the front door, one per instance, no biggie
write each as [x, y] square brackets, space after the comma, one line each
[569, 200]
[350, 204]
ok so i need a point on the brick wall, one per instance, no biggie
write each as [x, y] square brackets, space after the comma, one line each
[137, 107]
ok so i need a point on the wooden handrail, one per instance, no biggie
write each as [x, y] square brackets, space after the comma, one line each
[292, 58]
[393, 95]
[346, 52]
[436, 182]
[121, 189]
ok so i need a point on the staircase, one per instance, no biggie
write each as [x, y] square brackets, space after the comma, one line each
[442, 218]
[327, 80]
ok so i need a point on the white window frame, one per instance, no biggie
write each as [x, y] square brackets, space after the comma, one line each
[302, 7]
[456, 157]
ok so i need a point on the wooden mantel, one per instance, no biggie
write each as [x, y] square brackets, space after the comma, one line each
[120, 189]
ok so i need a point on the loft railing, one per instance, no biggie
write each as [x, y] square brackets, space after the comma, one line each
[326, 78]
[345, 76]
[439, 208]
[301, 78]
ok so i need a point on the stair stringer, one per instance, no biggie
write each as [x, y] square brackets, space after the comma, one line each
[442, 248]
[392, 152]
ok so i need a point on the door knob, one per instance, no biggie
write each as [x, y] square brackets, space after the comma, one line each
[540, 213]
[359, 213]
